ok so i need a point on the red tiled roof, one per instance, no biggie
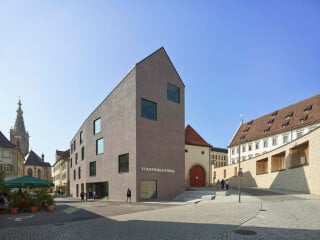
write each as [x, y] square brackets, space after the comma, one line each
[193, 138]
[298, 115]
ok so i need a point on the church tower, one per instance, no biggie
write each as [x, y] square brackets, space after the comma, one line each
[18, 135]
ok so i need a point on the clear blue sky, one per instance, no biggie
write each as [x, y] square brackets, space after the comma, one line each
[235, 57]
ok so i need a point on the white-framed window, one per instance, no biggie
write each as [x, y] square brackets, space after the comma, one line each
[285, 139]
[299, 134]
[274, 141]
[257, 145]
[243, 148]
[6, 153]
[232, 151]
[250, 147]
[265, 143]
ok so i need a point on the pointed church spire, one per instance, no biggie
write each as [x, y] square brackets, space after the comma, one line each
[18, 134]
[19, 124]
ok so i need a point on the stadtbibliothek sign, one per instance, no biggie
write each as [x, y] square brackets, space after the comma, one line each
[160, 170]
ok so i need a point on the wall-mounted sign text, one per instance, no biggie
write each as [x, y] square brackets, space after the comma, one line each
[159, 170]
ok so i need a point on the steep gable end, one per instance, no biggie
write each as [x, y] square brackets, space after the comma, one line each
[194, 138]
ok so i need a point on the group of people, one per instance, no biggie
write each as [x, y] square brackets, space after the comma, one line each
[82, 194]
[94, 195]
[222, 183]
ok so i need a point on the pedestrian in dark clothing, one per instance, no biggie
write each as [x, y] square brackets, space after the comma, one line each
[222, 183]
[227, 184]
[128, 195]
[94, 195]
[82, 196]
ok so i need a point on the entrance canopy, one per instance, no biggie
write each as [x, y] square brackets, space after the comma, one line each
[26, 181]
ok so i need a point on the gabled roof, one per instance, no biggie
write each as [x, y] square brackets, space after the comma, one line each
[194, 138]
[161, 52]
[297, 115]
[62, 154]
[33, 159]
[4, 142]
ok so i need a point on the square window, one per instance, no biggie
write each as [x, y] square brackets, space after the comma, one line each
[92, 167]
[148, 109]
[99, 146]
[124, 163]
[173, 93]
[274, 141]
[6, 153]
[265, 143]
[97, 126]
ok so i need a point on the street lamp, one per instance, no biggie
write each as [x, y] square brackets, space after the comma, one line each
[240, 172]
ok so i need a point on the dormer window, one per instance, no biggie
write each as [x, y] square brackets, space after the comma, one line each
[285, 124]
[308, 109]
[250, 123]
[289, 115]
[304, 118]
[274, 114]
[267, 130]
[270, 122]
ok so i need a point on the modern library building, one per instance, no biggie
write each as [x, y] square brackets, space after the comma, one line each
[134, 138]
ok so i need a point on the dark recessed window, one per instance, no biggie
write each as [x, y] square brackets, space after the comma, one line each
[81, 137]
[92, 167]
[74, 174]
[70, 162]
[186, 150]
[99, 146]
[124, 163]
[74, 145]
[79, 172]
[97, 126]
[82, 153]
[148, 109]
[76, 158]
[173, 93]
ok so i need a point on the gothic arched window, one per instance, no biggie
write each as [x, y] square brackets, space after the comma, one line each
[29, 172]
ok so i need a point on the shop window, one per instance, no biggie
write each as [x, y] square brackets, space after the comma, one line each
[299, 155]
[278, 162]
[148, 190]
[262, 166]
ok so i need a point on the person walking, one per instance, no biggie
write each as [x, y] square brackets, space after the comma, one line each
[82, 196]
[94, 196]
[222, 184]
[227, 184]
[218, 184]
[128, 195]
